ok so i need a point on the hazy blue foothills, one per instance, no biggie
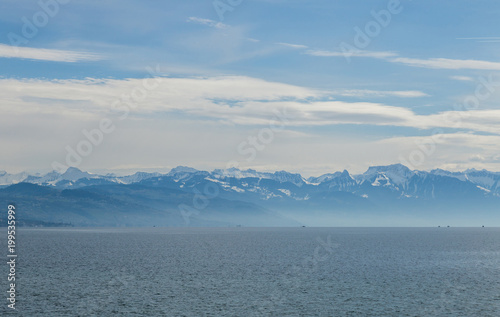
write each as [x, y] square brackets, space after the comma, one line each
[391, 195]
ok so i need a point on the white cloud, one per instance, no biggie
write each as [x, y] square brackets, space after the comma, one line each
[364, 93]
[484, 39]
[218, 113]
[446, 63]
[451, 151]
[296, 46]
[437, 63]
[479, 38]
[359, 53]
[462, 78]
[7, 51]
[208, 22]
[232, 100]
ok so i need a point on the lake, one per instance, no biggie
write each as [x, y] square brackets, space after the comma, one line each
[256, 272]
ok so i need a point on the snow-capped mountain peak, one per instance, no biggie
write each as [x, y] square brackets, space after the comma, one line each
[396, 174]
[396, 178]
[135, 178]
[74, 174]
[323, 178]
[237, 173]
[284, 176]
[182, 169]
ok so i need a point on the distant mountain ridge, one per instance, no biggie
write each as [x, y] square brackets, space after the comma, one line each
[396, 175]
[242, 196]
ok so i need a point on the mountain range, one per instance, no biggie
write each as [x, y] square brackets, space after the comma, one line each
[390, 195]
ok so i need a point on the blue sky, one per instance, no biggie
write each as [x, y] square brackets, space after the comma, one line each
[427, 68]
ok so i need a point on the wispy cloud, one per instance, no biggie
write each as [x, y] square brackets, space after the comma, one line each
[232, 99]
[208, 22]
[226, 107]
[364, 93]
[462, 78]
[456, 151]
[360, 53]
[446, 63]
[296, 46]
[484, 39]
[437, 63]
[7, 51]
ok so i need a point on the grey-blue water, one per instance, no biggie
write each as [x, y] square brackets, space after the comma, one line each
[256, 272]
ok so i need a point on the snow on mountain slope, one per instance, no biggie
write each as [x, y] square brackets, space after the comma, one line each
[135, 178]
[8, 179]
[236, 173]
[74, 174]
[323, 178]
[48, 179]
[397, 178]
[283, 176]
[182, 173]
[458, 175]
[485, 179]
[396, 174]
[340, 181]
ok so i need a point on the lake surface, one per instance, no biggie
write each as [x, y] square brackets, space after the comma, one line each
[256, 272]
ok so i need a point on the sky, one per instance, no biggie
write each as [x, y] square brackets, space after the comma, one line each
[307, 86]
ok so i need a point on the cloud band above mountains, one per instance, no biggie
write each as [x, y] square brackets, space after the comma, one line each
[231, 99]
